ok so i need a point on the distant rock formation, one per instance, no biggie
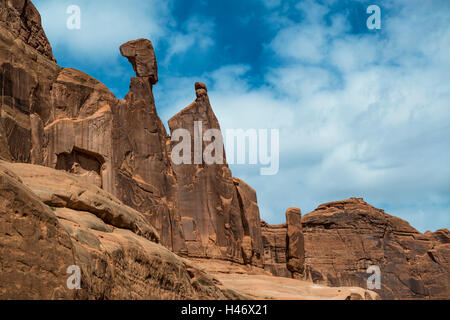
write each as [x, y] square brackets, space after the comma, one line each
[342, 239]
[214, 216]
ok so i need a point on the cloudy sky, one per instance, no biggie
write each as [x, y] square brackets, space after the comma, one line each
[361, 112]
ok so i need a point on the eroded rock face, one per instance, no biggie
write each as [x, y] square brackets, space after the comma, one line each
[344, 238]
[35, 249]
[81, 225]
[252, 245]
[141, 55]
[275, 248]
[144, 176]
[215, 221]
[23, 19]
[255, 283]
[111, 152]
[65, 119]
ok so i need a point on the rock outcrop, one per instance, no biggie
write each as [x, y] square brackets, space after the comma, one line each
[251, 282]
[295, 243]
[214, 217]
[284, 249]
[116, 250]
[275, 249]
[22, 18]
[341, 240]
[145, 179]
[66, 120]
[90, 180]
[344, 238]
[252, 244]
[35, 249]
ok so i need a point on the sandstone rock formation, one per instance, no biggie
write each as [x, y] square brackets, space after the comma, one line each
[35, 249]
[22, 18]
[81, 225]
[217, 223]
[65, 119]
[252, 244]
[342, 239]
[251, 282]
[141, 55]
[295, 243]
[284, 250]
[89, 180]
[144, 176]
[275, 249]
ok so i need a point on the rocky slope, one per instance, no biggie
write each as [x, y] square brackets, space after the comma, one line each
[51, 220]
[88, 179]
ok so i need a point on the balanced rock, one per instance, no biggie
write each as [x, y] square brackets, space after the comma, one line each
[141, 55]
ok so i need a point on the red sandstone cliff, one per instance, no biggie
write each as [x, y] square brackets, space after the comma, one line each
[119, 206]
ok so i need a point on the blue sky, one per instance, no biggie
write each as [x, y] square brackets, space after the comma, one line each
[361, 112]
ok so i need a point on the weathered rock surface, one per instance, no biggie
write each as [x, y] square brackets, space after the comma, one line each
[65, 119]
[57, 188]
[295, 243]
[215, 223]
[344, 238]
[141, 55]
[117, 196]
[35, 249]
[252, 245]
[38, 244]
[23, 19]
[251, 282]
[275, 248]
[145, 178]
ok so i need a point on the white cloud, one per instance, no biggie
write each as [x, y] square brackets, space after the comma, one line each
[104, 26]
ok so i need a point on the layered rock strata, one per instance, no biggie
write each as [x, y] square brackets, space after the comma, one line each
[51, 220]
